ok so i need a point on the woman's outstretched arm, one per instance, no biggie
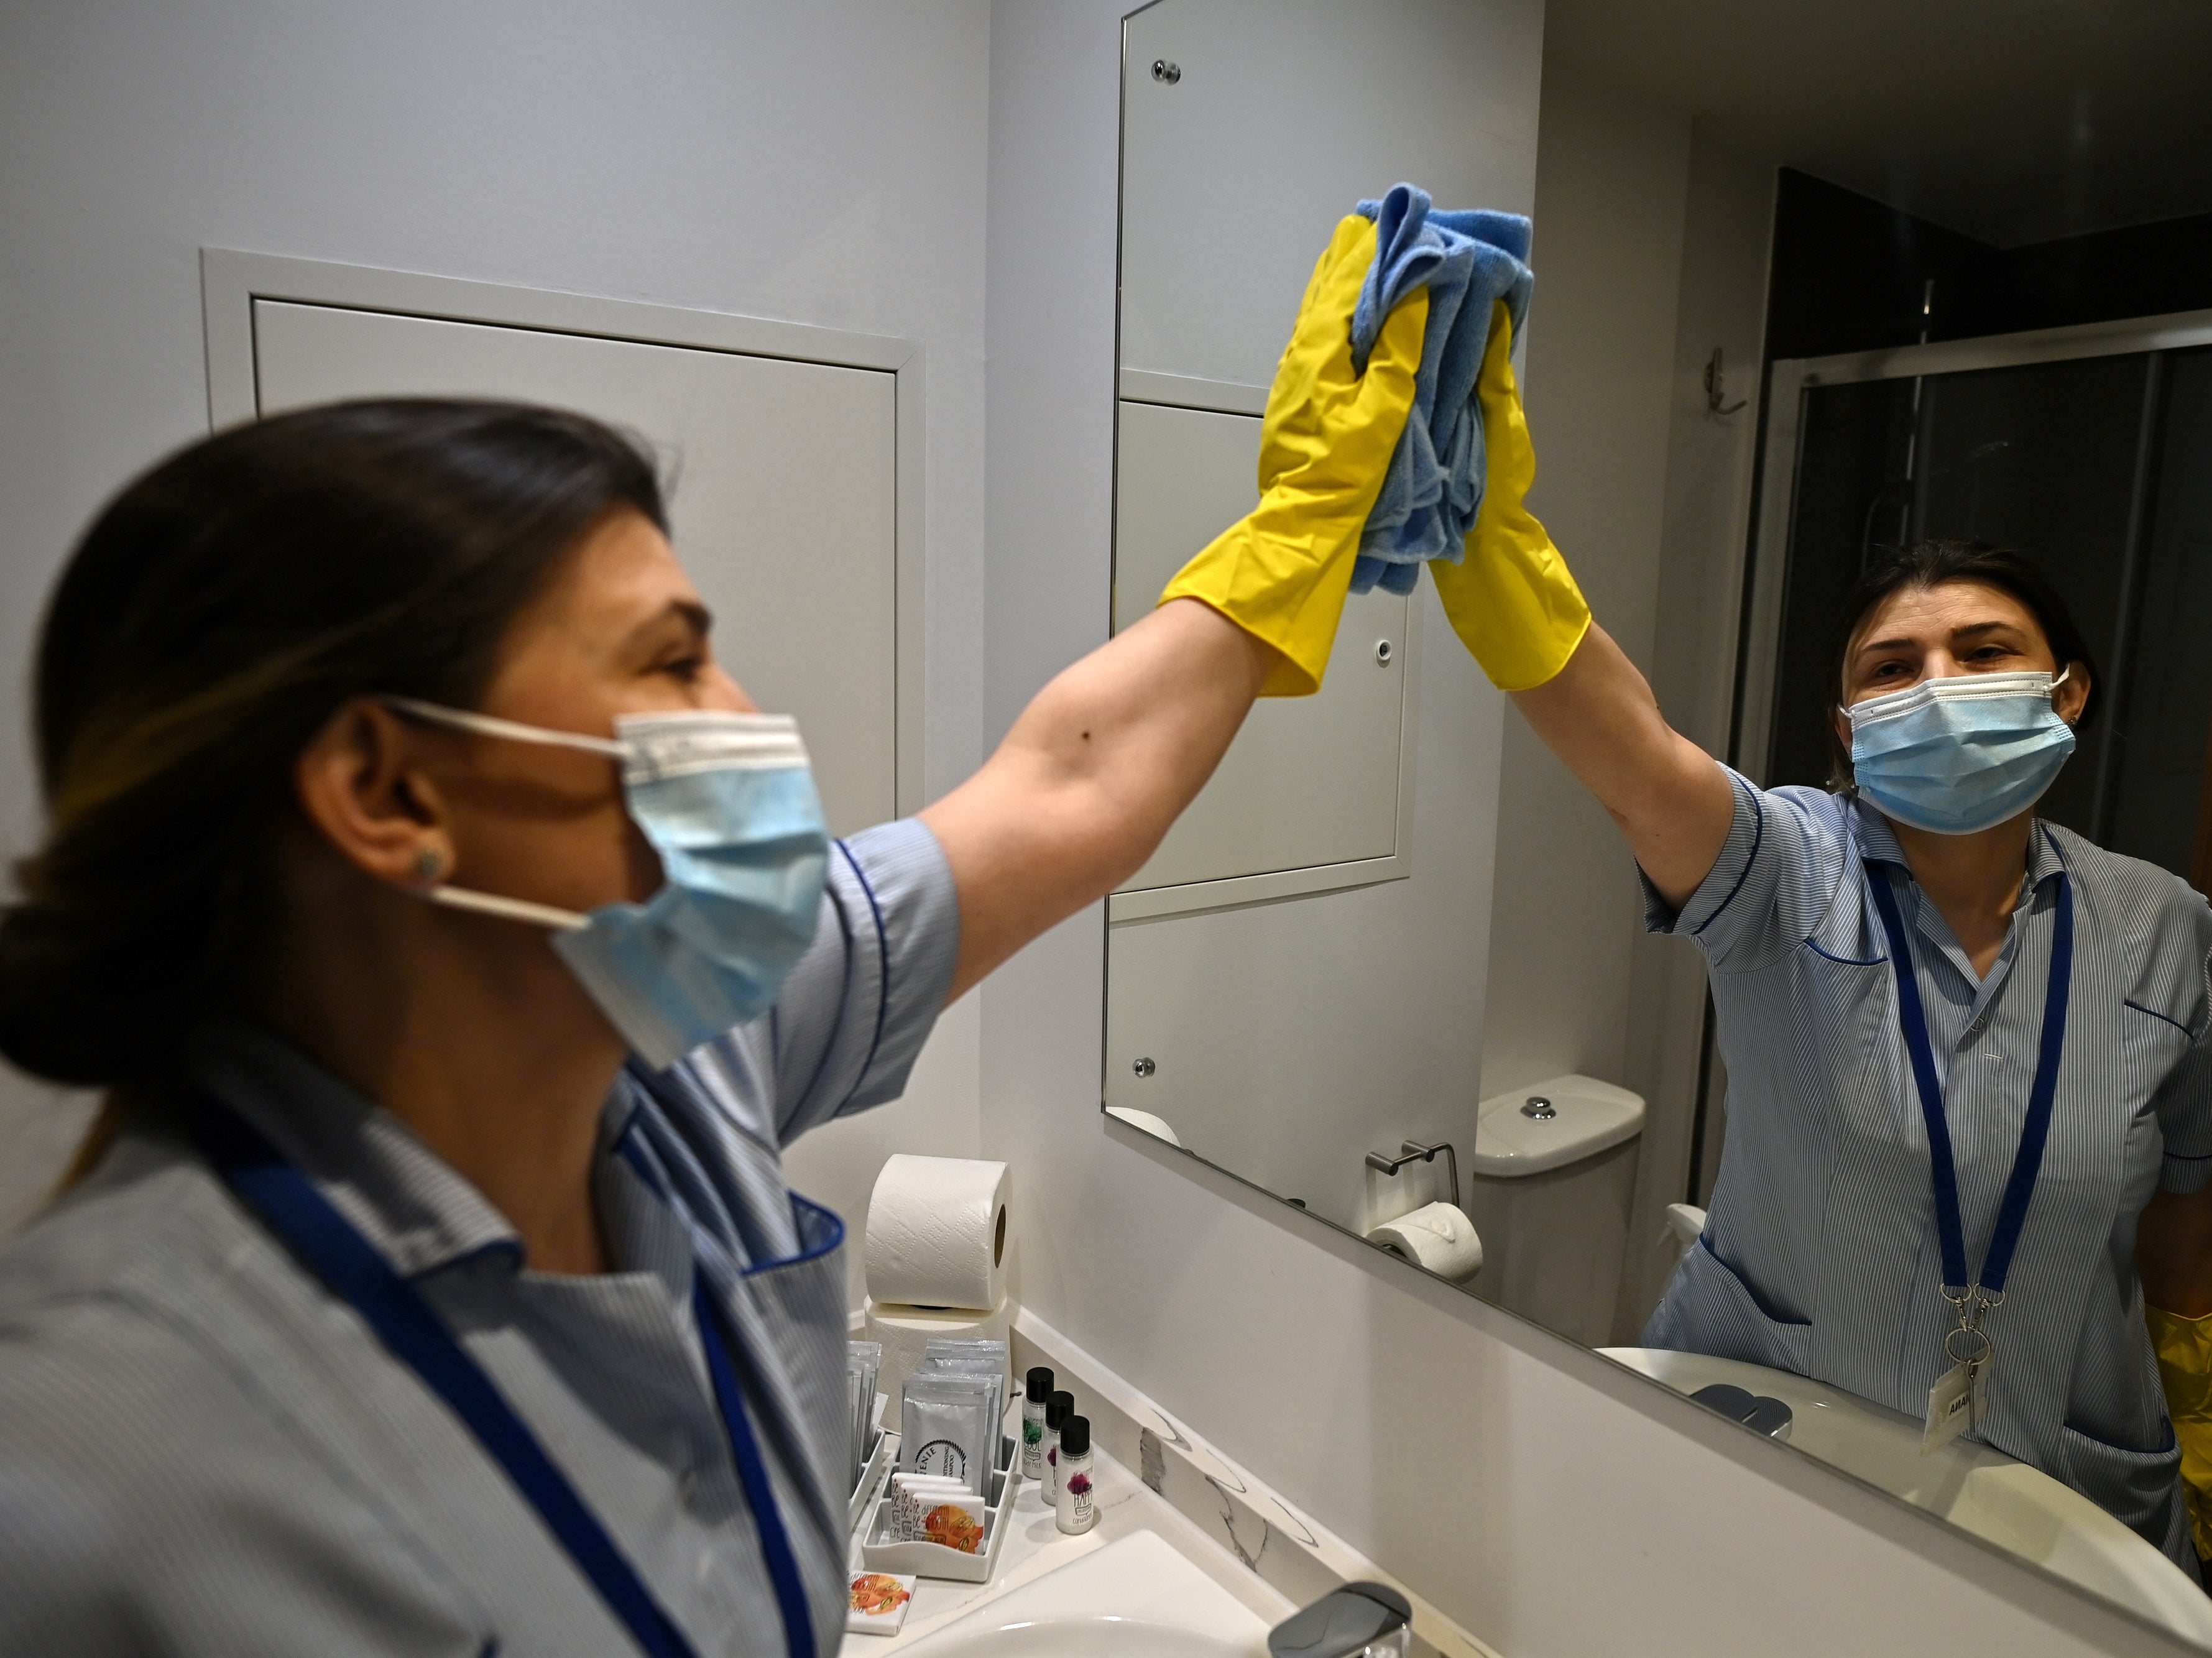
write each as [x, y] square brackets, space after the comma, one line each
[1671, 798]
[1092, 775]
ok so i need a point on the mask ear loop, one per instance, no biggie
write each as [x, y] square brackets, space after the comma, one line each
[485, 725]
[509, 909]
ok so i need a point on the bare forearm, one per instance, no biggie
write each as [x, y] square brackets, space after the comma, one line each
[1670, 797]
[1092, 776]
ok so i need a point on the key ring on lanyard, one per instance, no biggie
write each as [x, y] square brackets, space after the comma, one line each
[1973, 1295]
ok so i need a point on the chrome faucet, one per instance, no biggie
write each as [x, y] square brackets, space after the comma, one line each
[1359, 1620]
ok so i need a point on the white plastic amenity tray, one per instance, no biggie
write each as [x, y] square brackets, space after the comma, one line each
[872, 1475]
[880, 1552]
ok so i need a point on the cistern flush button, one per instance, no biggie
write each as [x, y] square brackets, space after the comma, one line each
[1540, 1108]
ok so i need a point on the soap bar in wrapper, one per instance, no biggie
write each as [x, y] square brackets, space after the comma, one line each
[943, 1512]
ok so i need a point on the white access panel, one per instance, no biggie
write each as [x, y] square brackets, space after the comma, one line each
[783, 510]
[1285, 114]
[1311, 783]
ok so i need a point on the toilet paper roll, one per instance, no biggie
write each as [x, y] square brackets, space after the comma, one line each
[937, 1232]
[1438, 1235]
[905, 1331]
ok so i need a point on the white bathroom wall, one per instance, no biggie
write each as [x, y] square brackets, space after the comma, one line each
[1534, 1491]
[1651, 235]
[1728, 224]
[1612, 174]
[820, 161]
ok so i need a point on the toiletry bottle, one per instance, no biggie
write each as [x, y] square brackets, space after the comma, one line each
[1036, 1388]
[1058, 1408]
[1071, 1510]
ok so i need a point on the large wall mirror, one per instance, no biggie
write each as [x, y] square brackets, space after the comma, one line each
[1808, 285]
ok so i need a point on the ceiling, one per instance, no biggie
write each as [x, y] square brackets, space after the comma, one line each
[2014, 121]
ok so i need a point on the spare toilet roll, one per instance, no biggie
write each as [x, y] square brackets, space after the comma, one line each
[1437, 1236]
[937, 1232]
[905, 1331]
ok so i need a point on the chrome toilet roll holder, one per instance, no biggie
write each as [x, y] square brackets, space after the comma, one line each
[1415, 1151]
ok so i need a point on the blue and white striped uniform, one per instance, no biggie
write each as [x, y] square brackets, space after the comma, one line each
[1820, 1254]
[202, 1451]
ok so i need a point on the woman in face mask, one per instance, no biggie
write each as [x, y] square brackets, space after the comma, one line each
[422, 1288]
[1969, 1053]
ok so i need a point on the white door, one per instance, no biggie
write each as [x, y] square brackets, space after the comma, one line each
[783, 506]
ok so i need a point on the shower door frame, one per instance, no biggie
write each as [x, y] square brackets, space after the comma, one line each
[1781, 454]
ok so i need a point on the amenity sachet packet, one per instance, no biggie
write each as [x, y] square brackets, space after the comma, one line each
[863, 1362]
[970, 1357]
[949, 1426]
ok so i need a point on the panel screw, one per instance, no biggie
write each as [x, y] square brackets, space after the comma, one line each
[1145, 1067]
[1383, 651]
[1163, 70]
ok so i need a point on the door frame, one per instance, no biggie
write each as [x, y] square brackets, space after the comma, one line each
[231, 281]
[1788, 381]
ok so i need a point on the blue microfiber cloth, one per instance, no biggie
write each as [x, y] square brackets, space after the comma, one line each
[1467, 260]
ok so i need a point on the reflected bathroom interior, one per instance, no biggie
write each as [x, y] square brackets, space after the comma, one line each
[1762, 347]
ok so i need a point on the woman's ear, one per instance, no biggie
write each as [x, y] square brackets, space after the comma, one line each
[2068, 701]
[360, 787]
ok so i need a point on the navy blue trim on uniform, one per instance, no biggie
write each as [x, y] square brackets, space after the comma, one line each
[327, 1244]
[1757, 835]
[837, 1025]
[836, 1238]
[2155, 1014]
[2115, 1445]
[752, 1473]
[1757, 1299]
[627, 1148]
[1844, 961]
[882, 978]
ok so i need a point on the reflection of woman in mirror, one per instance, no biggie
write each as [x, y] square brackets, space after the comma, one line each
[2052, 1020]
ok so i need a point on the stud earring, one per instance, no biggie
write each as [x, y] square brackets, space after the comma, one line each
[430, 866]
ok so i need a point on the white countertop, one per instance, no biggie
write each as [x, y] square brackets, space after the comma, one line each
[1036, 1545]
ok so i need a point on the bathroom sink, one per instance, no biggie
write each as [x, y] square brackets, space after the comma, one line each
[1980, 1490]
[1135, 1598]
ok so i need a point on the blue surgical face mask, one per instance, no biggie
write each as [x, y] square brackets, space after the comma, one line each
[1961, 754]
[728, 802]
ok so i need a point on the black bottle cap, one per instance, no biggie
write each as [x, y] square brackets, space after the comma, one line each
[1058, 1408]
[1075, 1436]
[1039, 1386]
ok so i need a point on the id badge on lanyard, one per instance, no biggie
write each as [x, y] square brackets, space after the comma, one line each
[1959, 1402]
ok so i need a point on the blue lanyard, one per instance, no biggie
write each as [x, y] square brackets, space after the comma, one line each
[2028, 1161]
[349, 1265]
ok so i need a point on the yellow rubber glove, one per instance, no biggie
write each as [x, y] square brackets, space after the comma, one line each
[1511, 600]
[1281, 573]
[2184, 1347]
